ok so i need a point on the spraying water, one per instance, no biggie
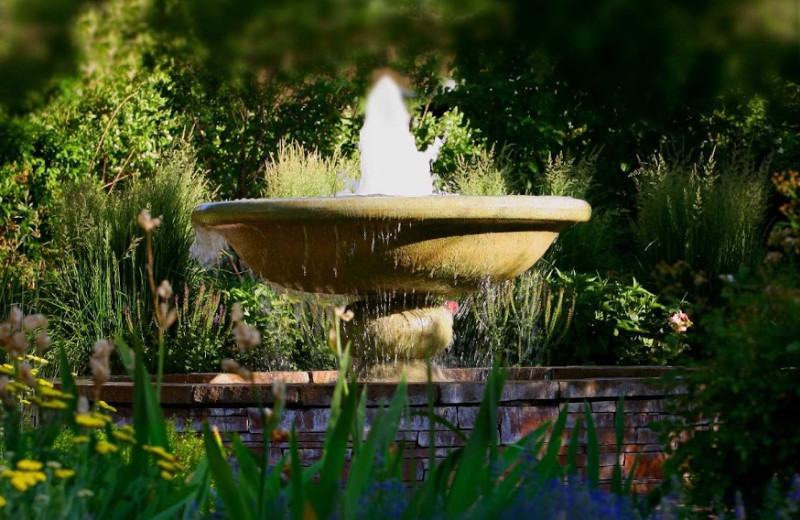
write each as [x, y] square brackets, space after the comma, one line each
[390, 161]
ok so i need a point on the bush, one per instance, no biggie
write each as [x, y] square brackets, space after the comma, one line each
[615, 322]
[478, 174]
[589, 246]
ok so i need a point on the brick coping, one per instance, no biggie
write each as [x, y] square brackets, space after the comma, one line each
[315, 388]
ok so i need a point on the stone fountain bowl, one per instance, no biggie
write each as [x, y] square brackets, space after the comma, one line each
[375, 244]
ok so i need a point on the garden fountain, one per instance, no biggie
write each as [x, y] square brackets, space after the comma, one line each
[393, 246]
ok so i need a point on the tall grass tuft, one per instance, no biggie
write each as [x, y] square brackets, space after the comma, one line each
[708, 214]
[294, 171]
[589, 246]
[482, 173]
[518, 321]
[102, 273]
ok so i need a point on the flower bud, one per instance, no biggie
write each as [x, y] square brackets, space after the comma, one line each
[236, 313]
[165, 290]
[26, 374]
[147, 222]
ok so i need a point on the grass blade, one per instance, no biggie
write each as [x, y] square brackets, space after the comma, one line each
[229, 493]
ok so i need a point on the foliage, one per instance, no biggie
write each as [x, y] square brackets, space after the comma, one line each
[738, 420]
[296, 172]
[615, 321]
[478, 174]
[102, 270]
[708, 214]
[74, 463]
[292, 328]
[519, 321]
[589, 246]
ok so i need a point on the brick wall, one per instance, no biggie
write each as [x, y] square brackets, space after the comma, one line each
[530, 397]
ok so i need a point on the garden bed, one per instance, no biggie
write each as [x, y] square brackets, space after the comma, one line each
[530, 397]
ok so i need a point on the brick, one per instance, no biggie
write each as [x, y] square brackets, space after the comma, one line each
[530, 391]
[467, 416]
[442, 439]
[604, 406]
[515, 422]
[305, 420]
[323, 376]
[646, 436]
[594, 388]
[643, 405]
[420, 423]
[648, 465]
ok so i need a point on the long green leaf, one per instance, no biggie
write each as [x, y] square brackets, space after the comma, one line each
[249, 474]
[592, 450]
[297, 500]
[471, 478]
[572, 453]
[382, 433]
[224, 480]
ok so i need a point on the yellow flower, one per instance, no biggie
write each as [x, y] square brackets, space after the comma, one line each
[43, 383]
[2, 501]
[166, 475]
[172, 467]
[106, 406]
[80, 439]
[123, 437]
[64, 473]
[53, 404]
[22, 480]
[37, 359]
[105, 447]
[161, 452]
[93, 420]
[29, 465]
[25, 402]
[6, 369]
[52, 392]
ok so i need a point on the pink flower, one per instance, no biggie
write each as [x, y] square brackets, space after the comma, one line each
[451, 306]
[680, 321]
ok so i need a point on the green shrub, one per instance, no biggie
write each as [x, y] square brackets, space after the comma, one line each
[708, 214]
[461, 141]
[615, 322]
[738, 426]
[293, 328]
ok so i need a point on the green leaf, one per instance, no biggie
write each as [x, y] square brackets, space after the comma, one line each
[592, 451]
[227, 489]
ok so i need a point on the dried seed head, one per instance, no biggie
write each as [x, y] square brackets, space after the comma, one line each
[246, 337]
[26, 374]
[42, 342]
[103, 349]
[147, 222]
[170, 319]
[230, 366]
[5, 333]
[165, 290]
[17, 345]
[279, 390]
[14, 317]
[33, 322]
[343, 313]
[4, 380]
[100, 372]
[236, 313]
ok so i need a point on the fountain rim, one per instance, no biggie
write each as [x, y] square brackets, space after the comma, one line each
[506, 208]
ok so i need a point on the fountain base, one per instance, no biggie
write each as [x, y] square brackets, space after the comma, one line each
[389, 338]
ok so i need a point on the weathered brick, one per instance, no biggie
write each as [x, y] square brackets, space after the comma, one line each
[442, 439]
[594, 388]
[467, 416]
[517, 421]
[646, 436]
